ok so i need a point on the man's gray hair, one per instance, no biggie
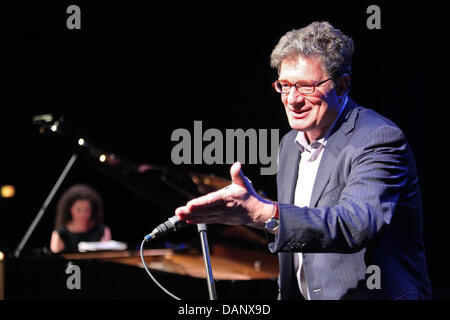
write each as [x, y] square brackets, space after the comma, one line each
[317, 40]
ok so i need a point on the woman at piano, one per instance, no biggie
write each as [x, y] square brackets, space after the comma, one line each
[79, 217]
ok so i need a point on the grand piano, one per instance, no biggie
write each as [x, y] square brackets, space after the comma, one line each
[238, 274]
[242, 266]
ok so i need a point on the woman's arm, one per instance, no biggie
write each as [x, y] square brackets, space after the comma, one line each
[106, 235]
[56, 243]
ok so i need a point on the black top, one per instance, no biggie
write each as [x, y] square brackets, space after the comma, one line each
[71, 239]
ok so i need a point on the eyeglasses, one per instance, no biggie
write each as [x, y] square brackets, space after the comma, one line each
[302, 87]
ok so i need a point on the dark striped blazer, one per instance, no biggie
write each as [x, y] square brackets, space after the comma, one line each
[365, 210]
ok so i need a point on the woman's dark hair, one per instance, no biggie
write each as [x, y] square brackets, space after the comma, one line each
[74, 193]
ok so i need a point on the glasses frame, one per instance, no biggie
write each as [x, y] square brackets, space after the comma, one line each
[313, 85]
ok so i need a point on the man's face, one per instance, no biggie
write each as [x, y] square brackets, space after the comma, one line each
[309, 113]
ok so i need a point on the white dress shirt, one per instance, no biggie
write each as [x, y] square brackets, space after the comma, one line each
[307, 171]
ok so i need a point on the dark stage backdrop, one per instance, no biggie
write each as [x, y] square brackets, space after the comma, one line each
[134, 73]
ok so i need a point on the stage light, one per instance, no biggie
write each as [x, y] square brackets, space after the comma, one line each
[54, 128]
[2, 256]
[102, 158]
[7, 191]
[81, 141]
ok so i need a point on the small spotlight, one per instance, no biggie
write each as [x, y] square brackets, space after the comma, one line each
[81, 141]
[7, 191]
[2, 256]
[102, 158]
[54, 127]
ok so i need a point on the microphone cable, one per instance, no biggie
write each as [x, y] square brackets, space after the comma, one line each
[150, 274]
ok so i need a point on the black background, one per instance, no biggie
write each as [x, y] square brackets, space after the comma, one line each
[134, 73]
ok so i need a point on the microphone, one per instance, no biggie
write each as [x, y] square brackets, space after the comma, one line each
[172, 224]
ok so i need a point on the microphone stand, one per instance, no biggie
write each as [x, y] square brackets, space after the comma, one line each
[204, 242]
[207, 259]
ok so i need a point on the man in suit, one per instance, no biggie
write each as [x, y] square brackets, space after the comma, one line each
[348, 221]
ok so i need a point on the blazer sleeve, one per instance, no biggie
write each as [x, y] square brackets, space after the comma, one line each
[377, 174]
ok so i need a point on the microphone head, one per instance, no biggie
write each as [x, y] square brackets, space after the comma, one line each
[172, 224]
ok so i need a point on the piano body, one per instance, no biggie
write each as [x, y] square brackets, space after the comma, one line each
[238, 274]
[242, 266]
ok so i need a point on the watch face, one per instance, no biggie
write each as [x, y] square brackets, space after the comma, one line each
[272, 225]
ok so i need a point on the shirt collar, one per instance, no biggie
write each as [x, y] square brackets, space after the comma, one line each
[316, 145]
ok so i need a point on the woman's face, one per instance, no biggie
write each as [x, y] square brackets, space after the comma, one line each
[81, 211]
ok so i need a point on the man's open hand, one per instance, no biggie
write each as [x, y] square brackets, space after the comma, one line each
[236, 204]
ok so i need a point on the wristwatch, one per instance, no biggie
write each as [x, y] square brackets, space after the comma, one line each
[273, 223]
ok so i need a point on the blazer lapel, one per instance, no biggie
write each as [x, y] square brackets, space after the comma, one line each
[336, 141]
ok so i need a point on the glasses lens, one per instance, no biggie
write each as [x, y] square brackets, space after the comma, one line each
[278, 86]
[282, 87]
[305, 88]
